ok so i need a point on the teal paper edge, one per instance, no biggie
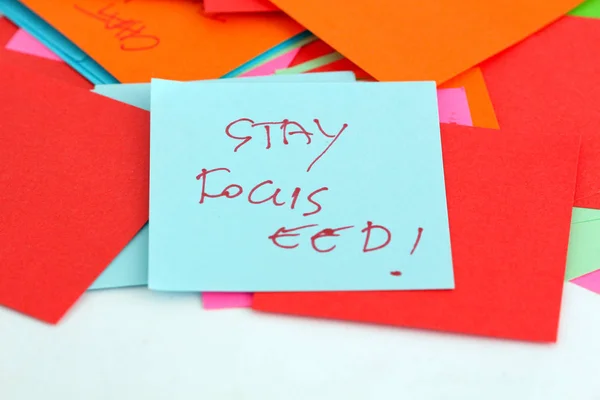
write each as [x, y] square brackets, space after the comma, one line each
[267, 55]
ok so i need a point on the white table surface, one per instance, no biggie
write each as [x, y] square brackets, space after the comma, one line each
[136, 344]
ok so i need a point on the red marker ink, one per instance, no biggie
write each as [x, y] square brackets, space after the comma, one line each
[268, 133]
[282, 232]
[329, 146]
[225, 192]
[368, 230]
[311, 200]
[318, 123]
[244, 139]
[130, 37]
[272, 197]
[420, 231]
[267, 126]
[295, 195]
[328, 232]
[395, 273]
[136, 41]
[284, 126]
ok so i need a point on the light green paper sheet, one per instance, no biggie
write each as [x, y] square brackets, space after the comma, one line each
[584, 215]
[584, 243]
[310, 65]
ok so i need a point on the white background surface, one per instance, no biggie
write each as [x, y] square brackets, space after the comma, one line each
[136, 344]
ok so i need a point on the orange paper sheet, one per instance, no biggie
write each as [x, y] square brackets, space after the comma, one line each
[480, 104]
[423, 40]
[139, 40]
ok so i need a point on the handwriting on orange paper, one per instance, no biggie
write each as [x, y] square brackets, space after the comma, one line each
[130, 32]
[287, 127]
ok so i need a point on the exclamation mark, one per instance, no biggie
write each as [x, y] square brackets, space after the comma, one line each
[417, 241]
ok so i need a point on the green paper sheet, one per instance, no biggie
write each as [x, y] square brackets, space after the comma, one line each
[584, 243]
[310, 65]
[589, 8]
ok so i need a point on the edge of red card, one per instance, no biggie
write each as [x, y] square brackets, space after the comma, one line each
[549, 84]
[51, 68]
[77, 167]
[7, 30]
[510, 197]
[310, 51]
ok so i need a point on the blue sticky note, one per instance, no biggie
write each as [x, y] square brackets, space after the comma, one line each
[134, 94]
[55, 41]
[130, 267]
[287, 187]
[138, 94]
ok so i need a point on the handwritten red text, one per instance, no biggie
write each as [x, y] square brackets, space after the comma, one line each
[376, 236]
[279, 237]
[129, 32]
[287, 129]
[285, 238]
[262, 192]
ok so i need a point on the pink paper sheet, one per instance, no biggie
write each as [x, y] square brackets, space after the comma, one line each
[269, 68]
[23, 42]
[217, 300]
[589, 281]
[237, 6]
[453, 109]
[453, 106]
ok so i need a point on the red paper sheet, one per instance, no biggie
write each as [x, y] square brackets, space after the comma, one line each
[550, 84]
[7, 30]
[509, 202]
[74, 179]
[238, 6]
[310, 51]
[49, 68]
